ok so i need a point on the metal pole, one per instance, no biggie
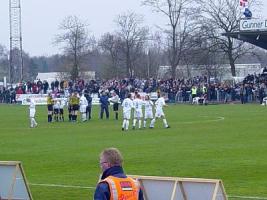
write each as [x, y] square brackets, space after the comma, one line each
[20, 37]
[10, 45]
[148, 64]
[16, 70]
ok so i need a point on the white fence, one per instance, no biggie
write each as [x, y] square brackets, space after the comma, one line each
[41, 99]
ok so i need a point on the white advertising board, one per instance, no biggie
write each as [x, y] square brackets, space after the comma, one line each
[171, 188]
[13, 184]
[253, 24]
[39, 99]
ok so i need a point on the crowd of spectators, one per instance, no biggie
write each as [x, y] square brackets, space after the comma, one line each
[252, 89]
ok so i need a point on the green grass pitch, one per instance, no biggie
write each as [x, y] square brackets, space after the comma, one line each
[227, 142]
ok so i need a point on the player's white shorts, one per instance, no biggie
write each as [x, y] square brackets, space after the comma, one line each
[83, 108]
[149, 115]
[138, 114]
[127, 115]
[159, 113]
[32, 113]
[195, 100]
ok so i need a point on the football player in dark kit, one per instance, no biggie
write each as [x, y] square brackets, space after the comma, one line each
[75, 106]
[50, 104]
[70, 107]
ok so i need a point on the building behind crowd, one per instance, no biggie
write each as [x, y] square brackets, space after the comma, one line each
[220, 72]
[53, 76]
[48, 77]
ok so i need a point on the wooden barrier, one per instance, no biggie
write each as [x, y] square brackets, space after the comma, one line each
[171, 188]
[13, 183]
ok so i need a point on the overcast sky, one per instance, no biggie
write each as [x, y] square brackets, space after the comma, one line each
[40, 19]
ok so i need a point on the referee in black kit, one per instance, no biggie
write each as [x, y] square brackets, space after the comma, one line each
[115, 100]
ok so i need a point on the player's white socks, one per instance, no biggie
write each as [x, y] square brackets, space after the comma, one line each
[152, 123]
[127, 124]
[134, 122]
[124, 124]
[139, 123]
[165, 123]
[83, 117]
[144, 123]
[33, 123]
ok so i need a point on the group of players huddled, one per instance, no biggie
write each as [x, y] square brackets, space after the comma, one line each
[133, 104]
[55, 107]
[136, 104]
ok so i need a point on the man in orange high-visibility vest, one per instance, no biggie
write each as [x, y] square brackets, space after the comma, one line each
[114, 184]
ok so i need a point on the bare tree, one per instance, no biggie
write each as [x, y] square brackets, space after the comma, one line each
[222, 16]
[179, 14]
[154, 55]
[75, 40]
[110, 44]
[2, 51]
[3, 62]
[30, 67]
[133, 36]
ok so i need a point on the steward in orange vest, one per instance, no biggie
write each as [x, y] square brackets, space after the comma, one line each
[114, 184]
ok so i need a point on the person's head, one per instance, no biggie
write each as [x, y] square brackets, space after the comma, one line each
[129, 96]
[114, 93]
[147, 97]
[110, 157]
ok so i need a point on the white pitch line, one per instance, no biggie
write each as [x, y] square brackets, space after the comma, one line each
[28, 128]
[204, 121]
[62, 186]
[92, 188]
[248, 197]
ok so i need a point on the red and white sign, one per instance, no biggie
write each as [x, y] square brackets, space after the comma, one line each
[243, 3]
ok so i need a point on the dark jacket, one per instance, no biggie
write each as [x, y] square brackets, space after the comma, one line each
[89, 99]
[104, 101]
[102, 190]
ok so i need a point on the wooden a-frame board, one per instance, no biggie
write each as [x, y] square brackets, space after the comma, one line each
[13, 183]
[171, 188]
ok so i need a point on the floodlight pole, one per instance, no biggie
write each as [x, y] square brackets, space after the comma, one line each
[15, 51]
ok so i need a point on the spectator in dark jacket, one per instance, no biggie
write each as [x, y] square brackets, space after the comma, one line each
[104, 105]
[111, 165]
[89, 107]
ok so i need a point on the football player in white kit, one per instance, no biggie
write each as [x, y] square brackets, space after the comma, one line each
[32, 112]
[138, 113]
[127, 106]
[148, 109]
[56, 108]
[83, 105]
[61, 110]
[160, 103]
